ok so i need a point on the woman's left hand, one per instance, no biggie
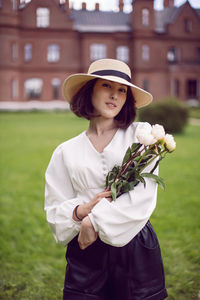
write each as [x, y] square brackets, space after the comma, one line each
[87, 234]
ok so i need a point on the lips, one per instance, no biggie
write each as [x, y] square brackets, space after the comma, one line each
[111, 104]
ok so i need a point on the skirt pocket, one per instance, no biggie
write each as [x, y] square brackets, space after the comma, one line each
[147, 237]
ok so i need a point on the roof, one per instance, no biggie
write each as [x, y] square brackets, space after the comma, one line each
[164, 17]
[110, 21]
[100, 21]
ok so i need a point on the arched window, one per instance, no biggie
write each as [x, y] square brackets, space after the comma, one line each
[33, 88]
[145, 53]
[97, 51]
[53, 53]
[27, 52]
[122, 53]
[145, 17]
[43, 16]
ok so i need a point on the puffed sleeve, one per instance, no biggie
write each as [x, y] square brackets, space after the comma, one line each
[117, 222]
[60, 200]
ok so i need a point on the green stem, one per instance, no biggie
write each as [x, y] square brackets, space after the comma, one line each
[152, 160]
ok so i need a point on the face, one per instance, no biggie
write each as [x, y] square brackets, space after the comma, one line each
[108, 98]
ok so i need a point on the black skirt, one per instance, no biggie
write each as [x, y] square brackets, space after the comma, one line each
[103, 272]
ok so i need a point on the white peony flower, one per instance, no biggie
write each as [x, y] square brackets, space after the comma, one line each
[158, 132]
[145, 137]
[170, 142]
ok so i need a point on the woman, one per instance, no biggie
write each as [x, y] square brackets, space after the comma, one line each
[113, 252]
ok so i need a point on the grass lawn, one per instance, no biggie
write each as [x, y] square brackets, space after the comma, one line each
[32, 264]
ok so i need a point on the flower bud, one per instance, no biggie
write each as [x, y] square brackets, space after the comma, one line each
[170, 142]
[158, 132]
[145, 138]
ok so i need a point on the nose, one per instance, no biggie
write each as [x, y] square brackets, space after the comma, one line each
[113, 94]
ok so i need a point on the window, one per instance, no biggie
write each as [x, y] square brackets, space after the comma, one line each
[27, 52]
[188, 25]
[145, 53]
[123, 53]
[97, 51]
[172, 55]
[53, 53]
[14, 49]
[14, 88]
[42, 14]
[146, 85]
[56, 86]
[33, 88]
[145, 17]
[176, 87]
[192, 88]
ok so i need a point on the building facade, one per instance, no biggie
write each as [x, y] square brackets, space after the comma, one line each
[44, 41]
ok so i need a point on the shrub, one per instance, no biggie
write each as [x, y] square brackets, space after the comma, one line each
[170, 112]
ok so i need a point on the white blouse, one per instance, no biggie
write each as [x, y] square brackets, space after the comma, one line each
[77, 172]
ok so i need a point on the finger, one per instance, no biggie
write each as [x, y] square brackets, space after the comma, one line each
[105, 194]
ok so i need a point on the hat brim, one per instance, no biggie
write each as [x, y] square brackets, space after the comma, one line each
[73, 84]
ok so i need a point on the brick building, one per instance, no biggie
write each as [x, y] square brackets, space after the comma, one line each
[43, 41]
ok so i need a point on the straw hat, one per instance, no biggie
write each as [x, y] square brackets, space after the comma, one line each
[109, 69]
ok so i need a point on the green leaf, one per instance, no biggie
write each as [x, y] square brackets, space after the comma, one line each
[135, 147]
[127, 155]
[158, 179]
[113, 190]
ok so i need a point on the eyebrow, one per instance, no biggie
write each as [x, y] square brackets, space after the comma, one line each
[121, 84]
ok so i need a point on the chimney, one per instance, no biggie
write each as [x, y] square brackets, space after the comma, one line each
[67, 5]
[84, 6]
[97, 6]
[168, 3]
[121, 5]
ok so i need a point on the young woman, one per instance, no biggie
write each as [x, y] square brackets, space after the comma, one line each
[112, 249]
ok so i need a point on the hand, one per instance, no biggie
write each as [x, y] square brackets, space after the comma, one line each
[87, 234]
[84, 209]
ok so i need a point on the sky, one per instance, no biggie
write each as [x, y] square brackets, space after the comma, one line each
[113, 4]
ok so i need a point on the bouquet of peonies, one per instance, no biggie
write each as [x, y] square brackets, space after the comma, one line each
[153, 145]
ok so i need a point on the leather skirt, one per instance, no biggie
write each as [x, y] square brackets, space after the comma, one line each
[104, 272]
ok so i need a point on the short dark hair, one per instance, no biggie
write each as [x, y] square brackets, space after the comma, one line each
[82, 106]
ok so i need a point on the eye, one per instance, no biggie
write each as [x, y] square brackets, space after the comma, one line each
[122, 90]
[107, 85]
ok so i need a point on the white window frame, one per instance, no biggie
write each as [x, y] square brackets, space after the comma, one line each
[14, 49]
[42, 17]
[122, 53]
[28, 52]
[35, 85]
[145, 53]
[98, 51]
[53, 53]
[56, 82]
[145, 16]
[14, 88]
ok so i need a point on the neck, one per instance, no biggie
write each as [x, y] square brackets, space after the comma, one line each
[100, 126]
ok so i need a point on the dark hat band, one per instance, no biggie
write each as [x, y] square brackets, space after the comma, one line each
[112, 73]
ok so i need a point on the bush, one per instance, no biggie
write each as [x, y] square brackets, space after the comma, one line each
[170, 112]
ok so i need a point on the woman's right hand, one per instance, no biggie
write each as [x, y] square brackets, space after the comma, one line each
[84, 209]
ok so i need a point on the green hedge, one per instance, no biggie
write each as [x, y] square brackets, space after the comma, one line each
[170, 112]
